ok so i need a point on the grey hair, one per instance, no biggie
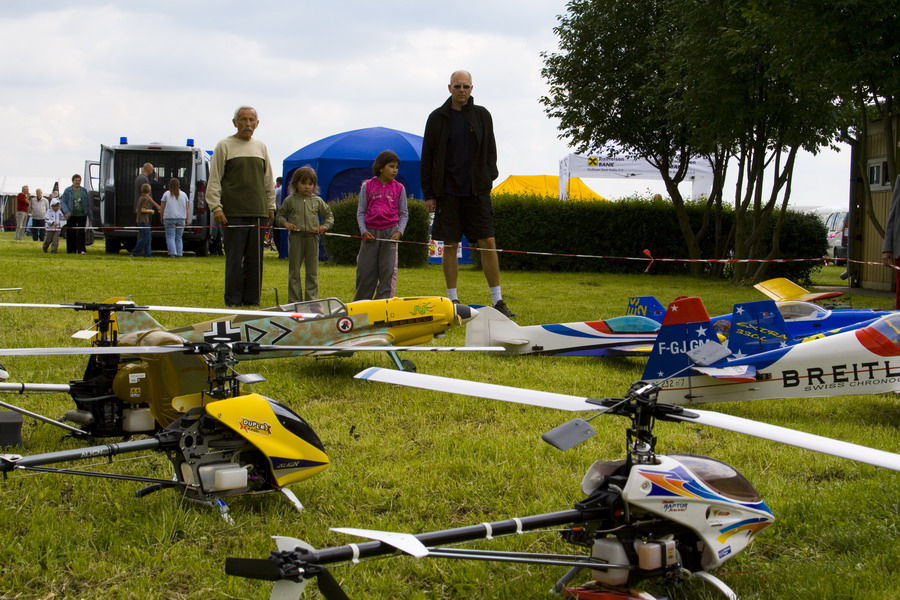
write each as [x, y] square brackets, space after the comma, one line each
[240, 108]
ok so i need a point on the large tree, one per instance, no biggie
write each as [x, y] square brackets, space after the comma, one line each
[669, 79]
[611, 93]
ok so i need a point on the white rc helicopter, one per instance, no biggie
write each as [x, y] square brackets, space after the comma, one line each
[646, 517]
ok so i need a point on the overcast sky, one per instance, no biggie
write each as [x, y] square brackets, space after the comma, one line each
[79, 74]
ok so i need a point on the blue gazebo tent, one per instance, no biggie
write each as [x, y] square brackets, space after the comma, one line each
[344, 160]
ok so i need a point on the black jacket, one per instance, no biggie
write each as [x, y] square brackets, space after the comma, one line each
[434, 149]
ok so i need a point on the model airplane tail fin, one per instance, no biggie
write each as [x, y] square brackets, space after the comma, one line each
[780, 289]
[140, 320]
[757, 327]
[490, 327]
[646, 306]
[685, 327]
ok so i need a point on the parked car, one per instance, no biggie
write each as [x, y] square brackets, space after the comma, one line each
[838, 226]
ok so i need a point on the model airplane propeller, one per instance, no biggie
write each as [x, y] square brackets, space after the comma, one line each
[127, 388]
[647, 517]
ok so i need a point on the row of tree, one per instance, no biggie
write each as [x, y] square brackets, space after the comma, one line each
[744, 84]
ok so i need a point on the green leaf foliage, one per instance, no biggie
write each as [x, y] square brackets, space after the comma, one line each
[343, 251]
[620, 232]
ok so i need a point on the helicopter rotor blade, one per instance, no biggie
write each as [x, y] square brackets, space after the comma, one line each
[132, 307]
[340, 348]
[480, 390]
[792, 437]
[92, 350]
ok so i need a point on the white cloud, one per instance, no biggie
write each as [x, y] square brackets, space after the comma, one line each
[86, 73]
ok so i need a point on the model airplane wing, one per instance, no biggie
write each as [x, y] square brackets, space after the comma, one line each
[779, 289]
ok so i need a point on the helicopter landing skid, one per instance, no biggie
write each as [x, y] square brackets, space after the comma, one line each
[716, 583]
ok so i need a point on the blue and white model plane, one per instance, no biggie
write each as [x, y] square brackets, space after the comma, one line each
[764, 364]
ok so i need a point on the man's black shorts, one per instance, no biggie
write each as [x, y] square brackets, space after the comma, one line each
[455, 216]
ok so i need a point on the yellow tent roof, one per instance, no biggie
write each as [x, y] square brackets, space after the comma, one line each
[545, 185]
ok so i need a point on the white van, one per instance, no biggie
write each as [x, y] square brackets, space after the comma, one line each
[110, 182]
[838, 226]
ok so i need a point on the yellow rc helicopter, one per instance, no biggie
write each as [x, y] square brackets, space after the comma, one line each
[220, 440]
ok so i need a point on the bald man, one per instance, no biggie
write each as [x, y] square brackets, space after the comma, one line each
[458, 169]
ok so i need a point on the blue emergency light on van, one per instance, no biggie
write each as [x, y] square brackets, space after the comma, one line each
[123, 140]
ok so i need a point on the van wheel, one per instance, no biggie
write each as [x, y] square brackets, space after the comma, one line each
[112, 246]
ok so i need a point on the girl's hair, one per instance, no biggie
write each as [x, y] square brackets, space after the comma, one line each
[383, 159]
[174, 186]
[145, 188]
[305, 174]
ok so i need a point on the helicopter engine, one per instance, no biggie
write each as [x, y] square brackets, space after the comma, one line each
[682, 512]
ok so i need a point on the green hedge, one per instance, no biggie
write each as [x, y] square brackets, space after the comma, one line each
[343, 251]
[617, 230]
[624, 229]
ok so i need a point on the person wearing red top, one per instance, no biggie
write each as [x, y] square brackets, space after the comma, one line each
[21, 213]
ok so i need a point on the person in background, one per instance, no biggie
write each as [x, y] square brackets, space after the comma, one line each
[891, 248]
[146, 207]
[458, 168]
[22, 200]
[53, 222]
[173, 212]
[241, 197]
[144, 177]
[382, 214]
[306, 217]
[37, 208]
[74, 207]
[279, 235]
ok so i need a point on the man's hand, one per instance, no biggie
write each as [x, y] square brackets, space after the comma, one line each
[271, 218]
[888, 259]
[219, 216]
[430, 204]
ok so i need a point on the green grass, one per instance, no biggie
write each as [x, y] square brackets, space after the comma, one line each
[414, 461]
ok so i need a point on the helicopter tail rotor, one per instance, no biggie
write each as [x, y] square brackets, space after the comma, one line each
[290, 578]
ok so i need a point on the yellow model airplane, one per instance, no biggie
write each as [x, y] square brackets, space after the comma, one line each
[324, 322]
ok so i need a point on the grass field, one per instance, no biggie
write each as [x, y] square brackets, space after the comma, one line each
[412, 461]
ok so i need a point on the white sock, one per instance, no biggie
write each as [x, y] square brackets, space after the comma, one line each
[496, 296]
[452, 294]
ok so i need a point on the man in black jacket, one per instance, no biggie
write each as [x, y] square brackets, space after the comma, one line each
[458, 168]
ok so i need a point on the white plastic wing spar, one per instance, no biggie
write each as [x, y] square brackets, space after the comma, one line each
[792, 437]
[404, 542]
[480, 390]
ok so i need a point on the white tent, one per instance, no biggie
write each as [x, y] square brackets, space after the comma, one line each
[620, 167]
